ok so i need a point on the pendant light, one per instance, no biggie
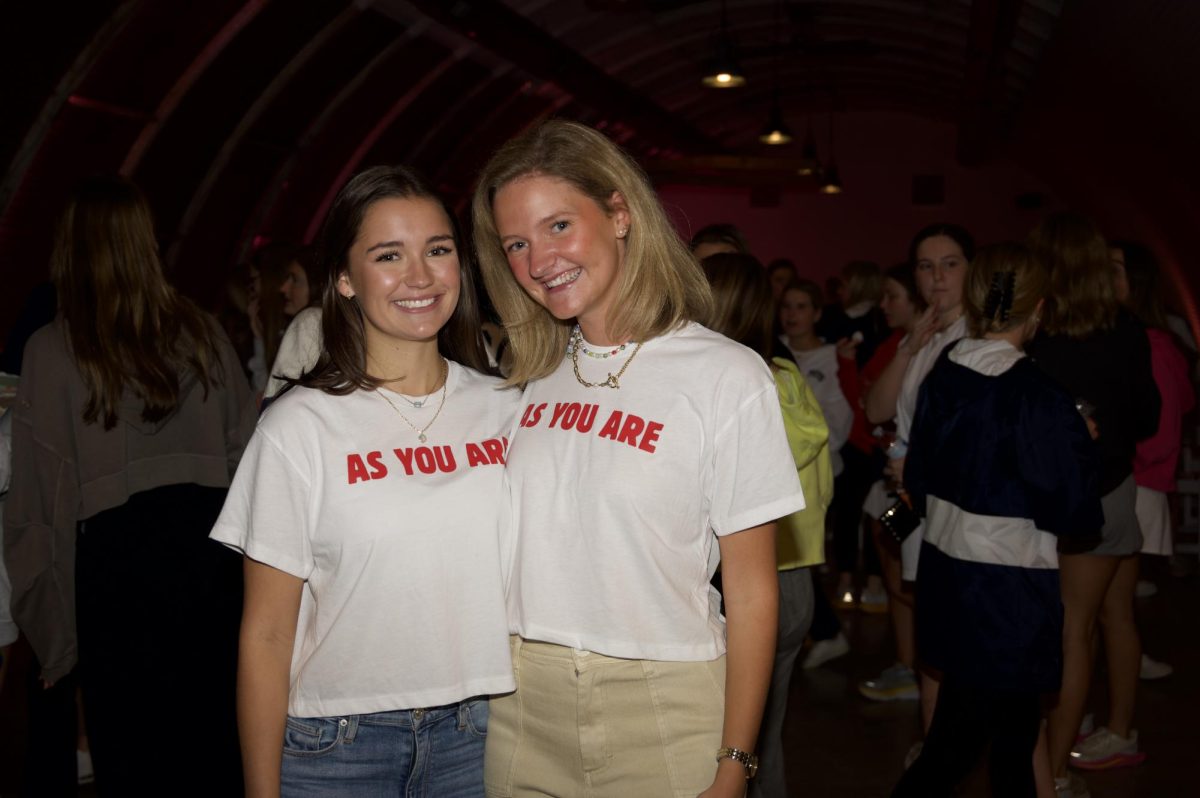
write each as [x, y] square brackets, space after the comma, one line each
[831, 182]
[775, 132]
[809, 164]
[723, 70]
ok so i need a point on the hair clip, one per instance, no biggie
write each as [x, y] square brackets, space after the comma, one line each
[994, 296]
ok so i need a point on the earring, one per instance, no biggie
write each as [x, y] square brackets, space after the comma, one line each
[621, 233]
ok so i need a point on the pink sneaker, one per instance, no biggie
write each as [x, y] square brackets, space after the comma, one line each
[1103, 750]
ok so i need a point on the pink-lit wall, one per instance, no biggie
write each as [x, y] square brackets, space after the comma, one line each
[874, 218]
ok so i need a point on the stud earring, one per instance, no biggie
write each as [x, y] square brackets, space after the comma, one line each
[621, 233]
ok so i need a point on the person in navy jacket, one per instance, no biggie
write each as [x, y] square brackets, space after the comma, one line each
[1003, 467]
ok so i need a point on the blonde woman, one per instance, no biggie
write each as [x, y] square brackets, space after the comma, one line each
[649, 448]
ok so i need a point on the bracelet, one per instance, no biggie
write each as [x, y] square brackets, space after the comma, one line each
[749, 761]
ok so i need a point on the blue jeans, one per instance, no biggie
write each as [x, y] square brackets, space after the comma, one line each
[411, 752]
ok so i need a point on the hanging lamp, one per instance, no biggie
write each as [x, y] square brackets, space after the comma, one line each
[831, 182]
[776, 131]
[809, 163]
[723, 70]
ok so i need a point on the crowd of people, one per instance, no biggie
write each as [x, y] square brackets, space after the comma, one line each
[564, 536]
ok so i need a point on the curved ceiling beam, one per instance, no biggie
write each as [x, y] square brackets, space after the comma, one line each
[279, 180]
[369, 140]
[185, 82]
[495, 26]
[246, 123]
[79, 69]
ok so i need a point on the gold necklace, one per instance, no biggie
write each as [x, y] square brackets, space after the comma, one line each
[421, 432]
[613, 381]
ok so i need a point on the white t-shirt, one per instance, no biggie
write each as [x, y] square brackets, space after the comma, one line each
[298, 351]
[617, 495]
[820, 369]
[918, 369]
[397, 541]
[906, 405]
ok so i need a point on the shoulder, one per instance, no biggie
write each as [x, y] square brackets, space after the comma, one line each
[50, 340]
[484, 388]
[298, 403]
[696, 341]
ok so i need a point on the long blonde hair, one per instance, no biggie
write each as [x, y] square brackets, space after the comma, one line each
[126, 326]
[660, 285]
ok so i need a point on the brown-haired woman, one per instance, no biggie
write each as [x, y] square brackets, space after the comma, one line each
[743, 311]
[130, 418]
[1100, 354]
[367, 506]
[648, 443]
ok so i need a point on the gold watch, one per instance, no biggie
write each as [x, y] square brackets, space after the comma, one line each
[749, 761]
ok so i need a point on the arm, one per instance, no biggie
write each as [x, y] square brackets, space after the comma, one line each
[881, 397]
[269, 614]
[752, 613]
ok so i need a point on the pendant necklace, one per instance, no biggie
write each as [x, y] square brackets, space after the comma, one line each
[441, 403]
[575, 346]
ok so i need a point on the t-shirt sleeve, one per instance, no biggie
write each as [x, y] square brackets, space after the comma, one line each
[755, 479]
[268, 513]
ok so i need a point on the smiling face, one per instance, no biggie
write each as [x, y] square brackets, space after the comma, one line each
[403, 272]
[797, 316]
[564, 249]
[897, 305]
[941, 269]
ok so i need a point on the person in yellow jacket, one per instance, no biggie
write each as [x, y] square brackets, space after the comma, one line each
[744, 311]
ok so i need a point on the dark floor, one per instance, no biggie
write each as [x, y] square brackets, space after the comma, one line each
[844, 746]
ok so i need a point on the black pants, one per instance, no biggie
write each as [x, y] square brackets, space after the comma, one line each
[850, 488]
[158, 608]
[965, 721]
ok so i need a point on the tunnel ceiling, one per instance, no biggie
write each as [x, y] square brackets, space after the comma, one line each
[239, 118]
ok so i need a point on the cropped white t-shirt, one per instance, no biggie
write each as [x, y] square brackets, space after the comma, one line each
[618, 494]
[397, 541]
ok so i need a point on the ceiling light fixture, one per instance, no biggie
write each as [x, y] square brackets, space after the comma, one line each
[831, 182]
[776, 132]
[723, 71]
[809, 162]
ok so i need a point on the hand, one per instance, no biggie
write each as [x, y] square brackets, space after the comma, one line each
[923, 330]
[847, 349]
[1093, 430]
[894, 472]
[730, 781]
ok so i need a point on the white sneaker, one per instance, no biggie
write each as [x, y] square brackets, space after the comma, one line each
[83, 767]
[824, 650]
[1152, 669]
[1071, 786]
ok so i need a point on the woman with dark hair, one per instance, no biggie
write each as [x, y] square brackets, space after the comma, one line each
[941, 255]
[367, 508]
[743, 303]
[651, 448]
[130, 417]
[1100, 354]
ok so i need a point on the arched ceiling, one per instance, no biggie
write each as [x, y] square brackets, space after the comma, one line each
[240, 118]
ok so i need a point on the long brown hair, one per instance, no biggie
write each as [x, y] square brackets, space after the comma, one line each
[743, 306]
[660, 285]
[342, 366]
[127, 328]
[1081, 298]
